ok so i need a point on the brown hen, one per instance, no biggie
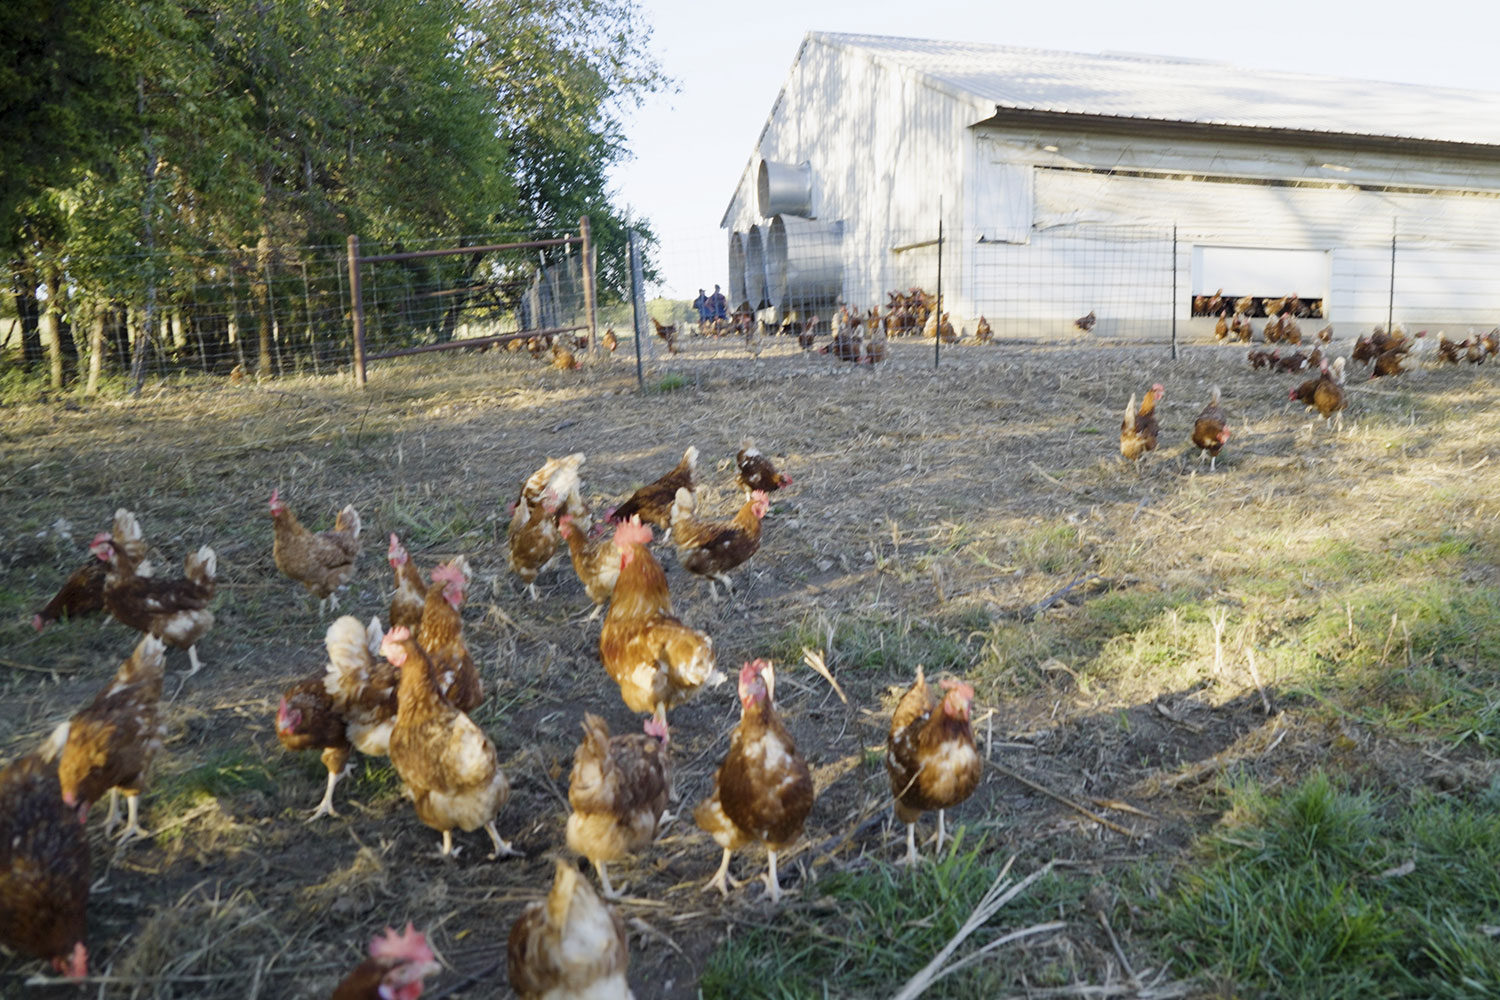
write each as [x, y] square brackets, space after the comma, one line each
[930, 756]
[618, 791]
[569, 946]
[763, 791]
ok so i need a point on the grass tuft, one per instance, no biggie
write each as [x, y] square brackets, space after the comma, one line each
[1323, 893]
[863, 933]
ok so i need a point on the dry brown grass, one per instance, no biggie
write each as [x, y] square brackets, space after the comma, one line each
[932, 514]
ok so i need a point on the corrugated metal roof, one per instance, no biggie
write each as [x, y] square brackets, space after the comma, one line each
[1179, 90]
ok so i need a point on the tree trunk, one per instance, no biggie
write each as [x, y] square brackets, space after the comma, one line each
[96, 350]
[233, 332]
[260, 291]
[52, 330]
[66, 335]
[150, 169]
[28, 314]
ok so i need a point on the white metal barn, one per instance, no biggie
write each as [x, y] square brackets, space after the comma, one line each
[1121, 184]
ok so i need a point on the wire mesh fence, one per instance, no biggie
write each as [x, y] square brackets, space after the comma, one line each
[792, 285]
[291, 311]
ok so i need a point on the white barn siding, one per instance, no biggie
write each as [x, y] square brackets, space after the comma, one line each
[1047, 222]
[884, 146]
[1448, 243]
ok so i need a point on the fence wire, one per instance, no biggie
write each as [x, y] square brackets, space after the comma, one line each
[290, 311]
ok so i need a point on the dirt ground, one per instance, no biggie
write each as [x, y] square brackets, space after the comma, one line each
[912, 489]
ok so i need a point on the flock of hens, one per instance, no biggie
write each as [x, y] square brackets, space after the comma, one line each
[1388, 354]
[404, 691]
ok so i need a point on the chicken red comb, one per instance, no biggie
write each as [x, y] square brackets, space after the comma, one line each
[410, 945]
[633, 532]
[398, 634]
[448, 573]
[752, 671]
[955, 686]
[75, 964]
[397, 550]
[655, 728]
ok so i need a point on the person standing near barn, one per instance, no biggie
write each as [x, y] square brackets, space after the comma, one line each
[718, 305]
[701, 304]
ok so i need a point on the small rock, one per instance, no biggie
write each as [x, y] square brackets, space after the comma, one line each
[824, 565]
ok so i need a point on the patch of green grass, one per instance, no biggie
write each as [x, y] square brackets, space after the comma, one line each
[228, 775]
[1145, 634]
[670, 382]
[898, 646]
[225, 775]
[375, 781]
[1325, 893]
[20, 386]
[430, 521]
[862, 934]
[891, 644]
[1051, 548]
[1389, 630]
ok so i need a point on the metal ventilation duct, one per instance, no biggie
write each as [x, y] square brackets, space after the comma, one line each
[784, 189]
[755, 269]
[737, 294]
[804, 262]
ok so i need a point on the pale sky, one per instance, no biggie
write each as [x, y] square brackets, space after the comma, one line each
[730, 61]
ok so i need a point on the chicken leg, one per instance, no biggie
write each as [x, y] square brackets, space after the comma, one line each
[912, 857]
[502, 849]
[608, 891]
[721, 879]
[197, 664]
[325, 808]
[942, 831]
[448, 852]
[112, 818]
[773, 885]
[133, 826]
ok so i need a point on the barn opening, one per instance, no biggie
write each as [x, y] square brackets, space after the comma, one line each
[1264, 275]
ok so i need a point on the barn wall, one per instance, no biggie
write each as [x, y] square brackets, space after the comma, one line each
[1448, 231]
[1039, 236]
[884, 146]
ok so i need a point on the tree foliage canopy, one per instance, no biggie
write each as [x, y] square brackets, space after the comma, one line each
[253, 127]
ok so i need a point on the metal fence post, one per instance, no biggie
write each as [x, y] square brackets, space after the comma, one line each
[1390, 302]
[357, 311]
[937, 330]
[1174, 291]
[637, 305]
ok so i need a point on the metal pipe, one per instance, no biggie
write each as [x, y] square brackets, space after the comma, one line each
[460, 251]
[469, 344]
[636, 291]
[1390, 302]
[1174, 291]
[937, 329]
